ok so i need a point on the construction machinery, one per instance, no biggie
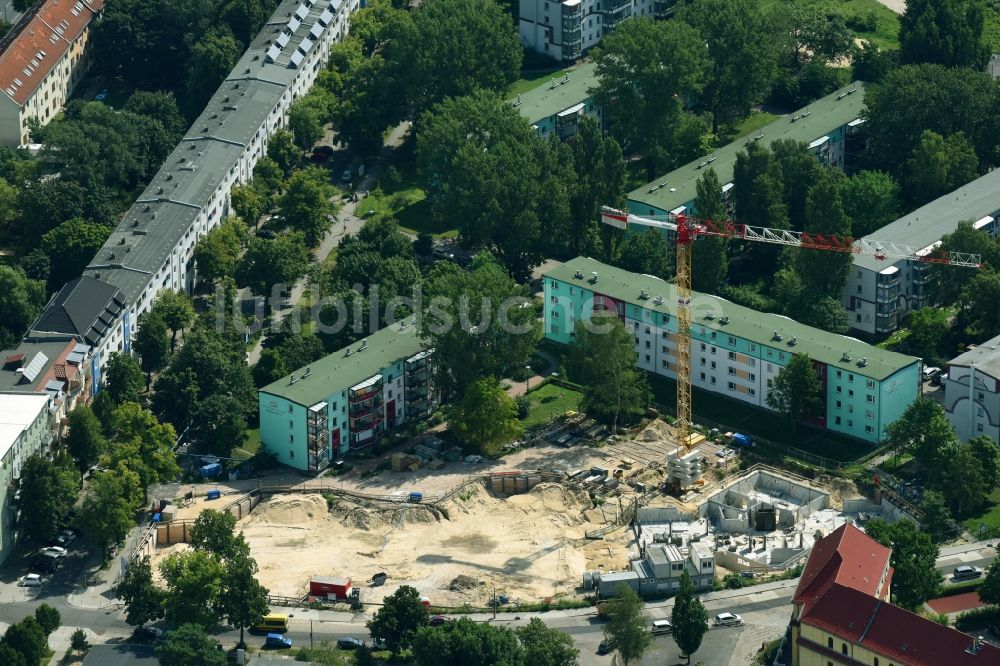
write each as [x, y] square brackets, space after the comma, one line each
[687, 229]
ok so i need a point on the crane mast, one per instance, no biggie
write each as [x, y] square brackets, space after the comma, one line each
[686, 229]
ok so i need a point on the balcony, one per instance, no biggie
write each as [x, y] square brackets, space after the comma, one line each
[356, 409]
[616, 12]
[663, 8]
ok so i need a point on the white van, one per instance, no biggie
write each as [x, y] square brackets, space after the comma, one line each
[661, 627]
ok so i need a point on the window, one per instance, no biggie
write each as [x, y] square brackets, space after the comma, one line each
[555, 286]
[839, 390]
[664, 334]
[555, 314]
[703, 346]
[838, 374]
[752, 377]
[850, 378]
[979, 427]
[553, 328]
[753, 391]
[664, 348]
[713, 380]
[713, 365]
[859, 286]
[875, 663]
[869, 429]
[838, 404]
[837, 420]
[753, 363]
[555, 299]
[291, 439]
[870, 398]
[732, 356]
[870, 383]
[781, 356]
[732, 340]
[753, 348]
[291, 454]
[843, 648]
[732, 370]
[732, 386]
[702, 361]
[850, 393]
[647, 344]
[713, 350]
[647, 330]
[703, 376]
[289, 409]
[857, 317]
[770, 368]
[663, 363]
[829, 643]
[291, 423]
[869, 414]
[979, 395]
[979, 411]
[850, 423]
[647, 358]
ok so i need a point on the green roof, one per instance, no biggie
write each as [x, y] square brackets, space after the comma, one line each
[758, 327]
[338, 371]
[825, 115]
[545, 100]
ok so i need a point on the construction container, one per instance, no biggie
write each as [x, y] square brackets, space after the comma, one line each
[211, 470]
[326, 586]
[416, 498]
[425, 602]
[213, 494]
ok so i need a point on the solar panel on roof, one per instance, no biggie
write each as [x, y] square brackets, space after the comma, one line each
[316, 31]
[273, 53]
[76, 358]
[305, 45]
[301, 11]
[296, 58]
[81, 348]
[283, 39]
[35, 366]
[325, 17]
[53, 385]
[294, 23]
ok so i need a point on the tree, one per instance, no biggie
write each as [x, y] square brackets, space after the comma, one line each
[870, 63]
[913, 557]
[613, 388]
[28, 639]
[189, 645]
[10, 656]
[193, 580]
[177, 312]
[143, 445]
[123, 378]
[143, 600]
[212, 532]
[397, 621]
[600, 178]
[801, 172]
[269, 263]
[478, 323]
[248, 203]
[212, 58]
[78, 641]
[546, 647]
[646, 70]
[305, 123]
[21, 300]
[709, 261]
[306, 205]
[824, 273]
[946, 286]
[961, 481]
[927, 330]
[871, 201]
[70, 247]
[48, 490]
[922, 430]
[742, 53]
[217, 254]
[989, 591]
[48, 618]
[85, 441]
[937, 518]
[947, 32]
[282, 149]
[219, 425]
[626, 631]
[486, 417]
[467, 643]
[917, 98]
[987, 452]
[151, 343]
[818, 35]
[161, 106]
[758, 199]
[242, 599]
[646, 251]
[796, 390]
[939, 165]
[270, 368]
[688, 618]
[980, 305]
[268, 177]
[109, 505]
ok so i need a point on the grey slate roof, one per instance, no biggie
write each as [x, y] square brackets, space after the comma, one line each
[84, 307]
[986, 357]
[926, 225]
[204, 158]
[50, 346]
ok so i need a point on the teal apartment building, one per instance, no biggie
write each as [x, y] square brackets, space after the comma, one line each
[735, 351]
[829, 125]
[559, 105]
[346, 401]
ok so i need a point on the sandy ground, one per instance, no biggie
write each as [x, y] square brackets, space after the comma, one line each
[529, 546]
[898, 6]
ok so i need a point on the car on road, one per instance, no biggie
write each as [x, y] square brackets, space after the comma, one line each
[602, 648]
[68, 535]
[966, 572]
[101, 96]
[30, 580]
[350, 643]
[266, 233]
[58, 551]
[929, 373]
[151, 633]
[661, 627]
[728, 620]
[46, 562]
[438, 620]
[277, 641]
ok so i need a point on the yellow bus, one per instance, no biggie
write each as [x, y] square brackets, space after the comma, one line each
[275, 623]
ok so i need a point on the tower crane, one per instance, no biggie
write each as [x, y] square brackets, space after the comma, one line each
[687, 229]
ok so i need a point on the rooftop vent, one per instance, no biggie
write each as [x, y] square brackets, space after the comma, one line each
[724, 320]
[293, 379]
[776, 336]
[792, 341]
[349, 352]
[593, 277]
[863, 362]
[710, 316]
[135, 223]
[658, 300]
[578, 275]
[122, 241]
[846, 358]
[364, 345]
[307, 372]
[643, 294]
[146, 208]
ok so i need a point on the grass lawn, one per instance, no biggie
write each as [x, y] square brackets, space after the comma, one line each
[250, 447]
[549, 401]
[991, 31]
[990, 516]
[533, 80]
[407, 204]
[886, 32]
[738, 416]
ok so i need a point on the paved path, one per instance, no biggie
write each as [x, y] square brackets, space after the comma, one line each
[898, 6]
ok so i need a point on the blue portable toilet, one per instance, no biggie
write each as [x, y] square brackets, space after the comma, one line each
[739, 439]
[212, 469]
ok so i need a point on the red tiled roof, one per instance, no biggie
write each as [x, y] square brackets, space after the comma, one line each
[894, 632]
[847, 556]
[39, 39]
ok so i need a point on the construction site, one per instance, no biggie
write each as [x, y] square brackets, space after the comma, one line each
[598, 516]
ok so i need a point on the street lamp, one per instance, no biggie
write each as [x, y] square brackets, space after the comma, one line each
[527, 377]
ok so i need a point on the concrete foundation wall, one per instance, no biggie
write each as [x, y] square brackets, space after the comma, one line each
[662, 514]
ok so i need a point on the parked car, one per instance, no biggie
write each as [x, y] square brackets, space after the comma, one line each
[350, 643]
[277, 641]
[939, 378]
[930, 373]
[661, 627]
[30, 580]
[316, 156]
[46, 562]
[966, 572]
[68, 535]
[266, 233]
[438, 620]
[728, 620]
[323, 150]
[101, 96]
[58, 551]
[602, 648]
[152, 633]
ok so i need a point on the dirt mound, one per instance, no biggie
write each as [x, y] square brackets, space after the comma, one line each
[461, 583]
[291, 510]
[553, 497]
[372, 519]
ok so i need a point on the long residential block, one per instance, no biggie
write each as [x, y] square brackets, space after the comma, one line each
[346, 401]
[558, 105]
[151, 249]
[735, 351]
[830, 125]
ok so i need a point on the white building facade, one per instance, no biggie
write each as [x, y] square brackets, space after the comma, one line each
[972, 392]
